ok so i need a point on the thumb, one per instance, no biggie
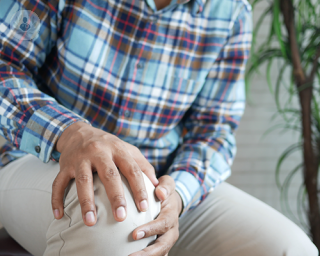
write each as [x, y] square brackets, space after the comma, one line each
[165, 188]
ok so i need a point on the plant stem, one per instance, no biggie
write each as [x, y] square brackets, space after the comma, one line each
[305, 97]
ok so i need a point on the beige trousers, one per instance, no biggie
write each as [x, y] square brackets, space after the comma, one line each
[228, 223]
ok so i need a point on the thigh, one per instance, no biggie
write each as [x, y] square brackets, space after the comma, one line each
[26, 213]
[232, 223]
[25, 201]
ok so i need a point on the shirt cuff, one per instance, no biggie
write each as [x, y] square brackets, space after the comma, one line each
[188, 188]
[44, 128]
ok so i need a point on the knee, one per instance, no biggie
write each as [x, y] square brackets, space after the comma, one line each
[107, 235]
[290, 241]
[116, 237]
[299, 244]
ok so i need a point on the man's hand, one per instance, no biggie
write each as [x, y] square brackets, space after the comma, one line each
[85, 149]
[167, 223]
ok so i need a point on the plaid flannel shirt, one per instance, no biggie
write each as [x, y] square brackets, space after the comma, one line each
[169, 81]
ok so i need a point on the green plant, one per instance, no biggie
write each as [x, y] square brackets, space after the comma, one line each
[294, 44]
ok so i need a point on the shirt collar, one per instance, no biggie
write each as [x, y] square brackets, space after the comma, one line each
[197, 4]
[201, 4]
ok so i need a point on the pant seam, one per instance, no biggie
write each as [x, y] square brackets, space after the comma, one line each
[69, 226]
[60, 233]
[62, 244]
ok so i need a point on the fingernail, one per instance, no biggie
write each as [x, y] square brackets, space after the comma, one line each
[121, 213]
[140, 235]
[90, 218]
[56, 213]
[144, 205]
[164, 191]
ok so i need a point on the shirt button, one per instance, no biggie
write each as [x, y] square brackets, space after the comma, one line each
[127, 113]
[153, 19]
[37, 149]
[140, 65]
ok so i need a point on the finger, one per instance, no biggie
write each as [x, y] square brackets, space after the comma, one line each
[111, 179]
[147, 168]
[165, 188]
[131, 170]
[143, 163]
[84, 183]
[159, 226]
[58, 187]
[161, 246]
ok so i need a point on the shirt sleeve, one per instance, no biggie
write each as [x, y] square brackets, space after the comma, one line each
[30, 119]
[206, 153]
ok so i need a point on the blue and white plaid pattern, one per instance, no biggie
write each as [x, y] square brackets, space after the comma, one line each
[168, 81]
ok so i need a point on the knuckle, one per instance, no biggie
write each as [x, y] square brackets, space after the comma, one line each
[118, 199]
[94, 146]
[142, 194]
[135, 171]
[152, 231]
[84, 179]
[119, 149]
[110, 174]
[167, 179]
[118, 144]
[86, 202]
[166, 225]
[105, 137]
[55, 201]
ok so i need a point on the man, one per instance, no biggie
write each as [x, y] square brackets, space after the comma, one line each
[152, 86]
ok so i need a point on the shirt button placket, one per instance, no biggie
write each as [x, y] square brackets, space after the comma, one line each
[153, 19]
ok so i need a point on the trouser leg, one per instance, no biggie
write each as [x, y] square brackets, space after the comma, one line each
[229, 222]
[232, 223]
[25, 201]
[25, 211]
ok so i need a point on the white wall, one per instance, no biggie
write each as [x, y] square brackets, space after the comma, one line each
[254, 167]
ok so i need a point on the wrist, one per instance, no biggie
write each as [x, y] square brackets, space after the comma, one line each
[67, 133]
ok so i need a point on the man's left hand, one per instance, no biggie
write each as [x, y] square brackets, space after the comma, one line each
[166, 225]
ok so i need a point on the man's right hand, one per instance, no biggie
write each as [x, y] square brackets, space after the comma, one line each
[84, 150]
